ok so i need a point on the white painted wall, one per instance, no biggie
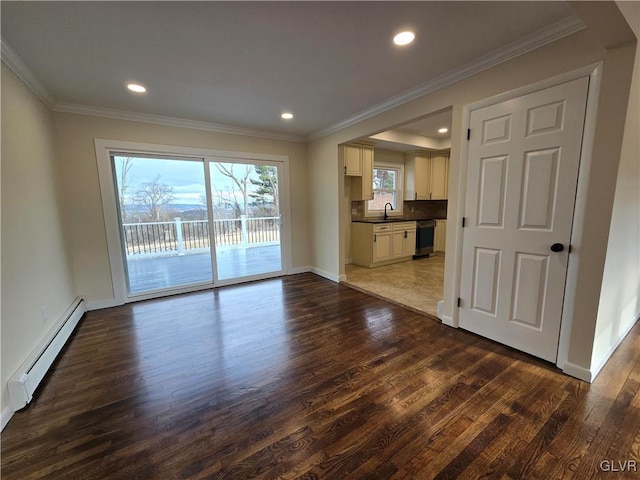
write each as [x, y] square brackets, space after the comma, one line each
[35, 266]
[620, 296]
[83, 214]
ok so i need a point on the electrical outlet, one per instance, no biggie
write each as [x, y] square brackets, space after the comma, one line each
[413, 209]
[354, 211]
[43, 312]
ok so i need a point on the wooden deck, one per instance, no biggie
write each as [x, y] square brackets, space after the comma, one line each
[148, 273]
[300, 377]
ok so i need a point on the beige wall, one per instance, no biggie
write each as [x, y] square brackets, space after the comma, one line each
[83, 214]
[620, 298]
[35, 269]
[571, 53]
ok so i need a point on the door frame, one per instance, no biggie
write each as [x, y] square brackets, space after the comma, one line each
[104, 150]
[594, 72]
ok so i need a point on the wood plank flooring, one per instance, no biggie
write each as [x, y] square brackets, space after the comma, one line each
[299, 377]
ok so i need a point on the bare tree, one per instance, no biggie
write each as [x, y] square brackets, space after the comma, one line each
[124, 189]
[241, 180]
[156, 197]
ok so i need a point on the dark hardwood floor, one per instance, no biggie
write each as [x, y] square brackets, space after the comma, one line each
[302, 378]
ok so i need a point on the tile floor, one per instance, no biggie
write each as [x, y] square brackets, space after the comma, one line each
[417, 284]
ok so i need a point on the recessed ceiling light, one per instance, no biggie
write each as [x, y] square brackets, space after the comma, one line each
[404, 38]
[136, 87]
[443, 130]
[287, 115]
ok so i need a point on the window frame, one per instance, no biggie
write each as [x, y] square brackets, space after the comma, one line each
[397, 211]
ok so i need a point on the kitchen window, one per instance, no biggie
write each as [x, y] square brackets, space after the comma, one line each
[387, 188]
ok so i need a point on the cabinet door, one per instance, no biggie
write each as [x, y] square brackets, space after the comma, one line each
[440, 236]
[398, 244]
[381, 246]
[439, 177]
[422, 177]
[367, 172]
[409, 243]
[352, 159]
[362, 187]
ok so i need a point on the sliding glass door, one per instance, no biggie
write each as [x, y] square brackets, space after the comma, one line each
[164, 222]
[246, 211]
[177, 233]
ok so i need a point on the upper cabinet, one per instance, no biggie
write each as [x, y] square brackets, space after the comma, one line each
[439, 176]
[357, 162]
[426, 176]
[353, 157]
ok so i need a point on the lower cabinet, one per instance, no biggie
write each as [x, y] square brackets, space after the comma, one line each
[440, 236]
[375, 244]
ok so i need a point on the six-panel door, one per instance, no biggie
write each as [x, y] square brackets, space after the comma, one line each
[522, 173]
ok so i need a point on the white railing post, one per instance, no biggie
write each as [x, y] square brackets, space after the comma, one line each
[243, 222]
[179, 236]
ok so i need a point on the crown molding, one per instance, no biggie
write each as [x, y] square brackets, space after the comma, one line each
[172, 121]
[24, 73]
[544, 36]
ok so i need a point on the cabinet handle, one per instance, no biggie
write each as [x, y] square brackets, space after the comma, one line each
[405, 234]
[416, 196]
[345, 169]
[375, 238]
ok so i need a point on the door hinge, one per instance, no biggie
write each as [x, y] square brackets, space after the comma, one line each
[468, 134]
[464, 222]
[459, 302]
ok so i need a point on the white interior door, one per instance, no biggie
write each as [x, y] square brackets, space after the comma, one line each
[522, 173]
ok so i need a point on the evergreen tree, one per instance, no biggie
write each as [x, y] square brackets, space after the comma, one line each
[267, 186]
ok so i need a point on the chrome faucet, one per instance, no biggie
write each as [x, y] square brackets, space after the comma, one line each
[385, 209]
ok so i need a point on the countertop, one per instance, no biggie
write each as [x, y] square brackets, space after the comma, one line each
[394, 219]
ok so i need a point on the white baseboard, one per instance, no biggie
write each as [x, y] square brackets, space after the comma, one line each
[327, 275]
[6, 415]
[297, 270]
[100, 304]
[446, 320]
[578, 372]
[595, 370]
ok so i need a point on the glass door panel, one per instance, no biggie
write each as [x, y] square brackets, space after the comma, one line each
[164, 222]
[246, 217]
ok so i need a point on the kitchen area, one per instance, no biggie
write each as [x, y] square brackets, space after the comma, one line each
[397, 184]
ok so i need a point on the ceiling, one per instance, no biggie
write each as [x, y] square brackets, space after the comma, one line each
[241, 64]
[421, 134]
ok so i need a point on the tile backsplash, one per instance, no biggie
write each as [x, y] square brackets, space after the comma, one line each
[422, 209]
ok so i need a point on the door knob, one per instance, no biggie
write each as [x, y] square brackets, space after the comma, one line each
[557, 247]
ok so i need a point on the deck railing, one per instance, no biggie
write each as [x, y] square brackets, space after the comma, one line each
[181, 236]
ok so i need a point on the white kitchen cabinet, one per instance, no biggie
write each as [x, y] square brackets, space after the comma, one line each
[375, 244]
[362, 187]
[439, 177]
[417, 176]
[426, 176]
[404, 239]
[351, 157]
[440, 236]
[382, 246]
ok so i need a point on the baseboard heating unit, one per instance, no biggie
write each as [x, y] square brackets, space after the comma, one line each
[25, 381]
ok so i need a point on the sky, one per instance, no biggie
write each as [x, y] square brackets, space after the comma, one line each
[186, 177]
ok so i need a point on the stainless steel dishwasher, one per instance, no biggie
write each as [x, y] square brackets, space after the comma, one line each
[424, 237]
